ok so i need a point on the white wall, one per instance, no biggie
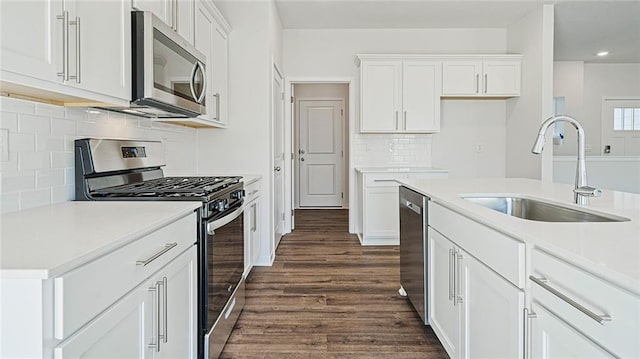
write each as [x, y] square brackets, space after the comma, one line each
[40, 169]
[473, 139]
[606, 172]
[584, 85]
[245, 146]
[532, 37]
[317, 54]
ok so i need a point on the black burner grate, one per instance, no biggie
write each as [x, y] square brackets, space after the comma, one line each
[170, 186]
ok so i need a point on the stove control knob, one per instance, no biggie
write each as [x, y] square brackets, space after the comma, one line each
[220, 205]
[239, 194]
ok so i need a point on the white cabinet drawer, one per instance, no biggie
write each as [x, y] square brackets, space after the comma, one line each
[86, 291]
[383, 179]
[501, 253]
[620, 335]
[252, 191]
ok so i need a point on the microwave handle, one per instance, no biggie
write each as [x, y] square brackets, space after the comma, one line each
[197, 65]
[192, 80]
[204, 82]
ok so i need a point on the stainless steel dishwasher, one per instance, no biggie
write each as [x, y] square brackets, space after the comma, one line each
[413, 250]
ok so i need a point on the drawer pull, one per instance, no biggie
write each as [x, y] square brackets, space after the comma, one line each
[385, 180]
[598, 318]
[164, 250]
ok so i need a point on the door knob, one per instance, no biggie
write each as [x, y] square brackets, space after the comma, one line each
[301, 152]
[302, 159]
[277, 169]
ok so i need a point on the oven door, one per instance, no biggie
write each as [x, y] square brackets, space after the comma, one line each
[224, 251]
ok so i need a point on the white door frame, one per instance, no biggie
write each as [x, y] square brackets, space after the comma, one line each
[288, 118]
[296, 139]
[275, 72]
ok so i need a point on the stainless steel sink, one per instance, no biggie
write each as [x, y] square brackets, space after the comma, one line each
[537, 210]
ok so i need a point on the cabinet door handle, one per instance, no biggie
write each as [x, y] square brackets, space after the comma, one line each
[404, 120]
[254, 209]
[76, 23]
[485, 83]
[167, 247]
[175, 15]
[217, 96]
[450, 274]
[457, 299]
[156, 289]
[65, 45]
[526, 342]
[396, 119]
[165, 305]
[598, 318]
[477, 83]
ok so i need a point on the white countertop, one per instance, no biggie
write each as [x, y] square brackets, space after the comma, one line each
[249, 179]
[609, 250]
[46, 241]
[406, 169]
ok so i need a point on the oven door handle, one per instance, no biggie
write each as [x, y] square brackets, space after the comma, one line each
[212, 226]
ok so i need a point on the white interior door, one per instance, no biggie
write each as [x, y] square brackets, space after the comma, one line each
[320, 153]
[278, 157]
[621, 127]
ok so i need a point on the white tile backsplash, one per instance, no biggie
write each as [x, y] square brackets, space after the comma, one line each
[33, 160]
[41, 160]
[34, 124]
[391, 150]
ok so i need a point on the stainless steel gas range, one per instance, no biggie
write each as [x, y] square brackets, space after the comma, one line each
[124, 170]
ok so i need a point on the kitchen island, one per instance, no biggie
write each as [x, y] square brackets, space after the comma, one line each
[531, 282]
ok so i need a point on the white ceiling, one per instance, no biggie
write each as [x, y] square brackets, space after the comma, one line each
[582, 28]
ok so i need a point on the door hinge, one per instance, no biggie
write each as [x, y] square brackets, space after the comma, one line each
[292, 213]
[292, 155]
[341, 112]
[291, 99]
[283, 216]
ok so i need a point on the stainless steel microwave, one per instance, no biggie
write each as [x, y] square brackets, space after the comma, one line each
[169, 74]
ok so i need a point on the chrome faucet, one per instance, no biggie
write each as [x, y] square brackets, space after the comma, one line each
[581, 191]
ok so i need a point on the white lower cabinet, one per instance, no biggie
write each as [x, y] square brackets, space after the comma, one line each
[138, 300]
[444, 311]
[474, 311]
[118, 332]
[155, 320]
[552, 337]
[252, 235]
[575, 314]
[378, 204]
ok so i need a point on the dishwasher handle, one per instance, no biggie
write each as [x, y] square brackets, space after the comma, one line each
[412, 206]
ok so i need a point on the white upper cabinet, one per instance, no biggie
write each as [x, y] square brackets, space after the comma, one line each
[421, 96]
[31, 38]
[212, 33]
[482, 77]
[400, 96]
[381, 86]
[70, 52]
[178, 14]
[99, 60]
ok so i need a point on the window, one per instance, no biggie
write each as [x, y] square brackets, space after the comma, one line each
[626, 119]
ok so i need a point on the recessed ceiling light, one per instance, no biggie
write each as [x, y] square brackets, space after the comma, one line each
[603, 53]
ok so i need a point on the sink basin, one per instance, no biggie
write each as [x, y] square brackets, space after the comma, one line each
[537, 210]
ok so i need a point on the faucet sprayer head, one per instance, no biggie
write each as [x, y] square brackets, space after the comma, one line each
[539, 145]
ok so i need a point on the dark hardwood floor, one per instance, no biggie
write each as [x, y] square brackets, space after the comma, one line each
[328, 297]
